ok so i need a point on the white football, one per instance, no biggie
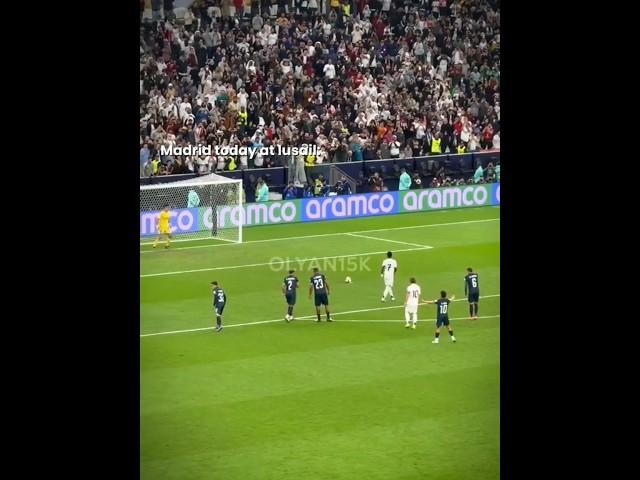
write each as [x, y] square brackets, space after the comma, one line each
[347, 280]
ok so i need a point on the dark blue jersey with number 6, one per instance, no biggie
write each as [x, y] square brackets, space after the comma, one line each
[471, 283]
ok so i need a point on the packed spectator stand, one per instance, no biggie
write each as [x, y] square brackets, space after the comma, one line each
[363, 80]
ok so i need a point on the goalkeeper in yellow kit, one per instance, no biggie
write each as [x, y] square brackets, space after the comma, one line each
[163, 227]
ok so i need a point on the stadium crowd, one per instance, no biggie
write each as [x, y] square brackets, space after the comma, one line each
[362, 79]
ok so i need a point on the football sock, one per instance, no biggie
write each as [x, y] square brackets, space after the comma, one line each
[471, 309]
[451, 332]
[218, 321]
[407, 317]
[328, 317]
[437, 334]
[290, 310]
[475, 310]
[318, 317]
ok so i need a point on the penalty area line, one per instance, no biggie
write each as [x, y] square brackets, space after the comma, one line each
[387, 240]
[304, 237]
[284, 262]
[308, 317]
[401, 321]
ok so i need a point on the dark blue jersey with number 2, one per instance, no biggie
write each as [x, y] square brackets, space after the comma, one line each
[290, 284]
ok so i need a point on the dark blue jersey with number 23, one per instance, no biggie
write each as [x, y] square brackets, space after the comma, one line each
[319, 283]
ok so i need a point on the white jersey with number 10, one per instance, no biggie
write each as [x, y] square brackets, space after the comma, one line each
[413, 295]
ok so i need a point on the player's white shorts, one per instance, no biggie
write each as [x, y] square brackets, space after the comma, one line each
[388, 281]
[411, 309]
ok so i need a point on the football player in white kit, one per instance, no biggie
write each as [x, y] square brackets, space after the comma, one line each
[411, 304]
[388, 272]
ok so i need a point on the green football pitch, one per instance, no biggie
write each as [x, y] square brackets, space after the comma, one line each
[360, 398]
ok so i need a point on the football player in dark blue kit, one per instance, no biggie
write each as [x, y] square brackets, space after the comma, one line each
[442, 315]
[472, 290]
[289, 287]
[219, 301]
[318, 284]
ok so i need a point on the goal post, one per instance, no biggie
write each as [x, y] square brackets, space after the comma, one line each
[207, 207]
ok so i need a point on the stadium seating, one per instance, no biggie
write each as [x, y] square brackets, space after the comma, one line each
[194, 55]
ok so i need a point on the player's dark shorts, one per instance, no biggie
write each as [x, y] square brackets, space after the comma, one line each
[442, 320]
[291, 299]
[474, 297]
[321, 299]
[219, 308]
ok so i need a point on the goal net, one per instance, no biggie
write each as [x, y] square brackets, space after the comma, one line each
[207, 207]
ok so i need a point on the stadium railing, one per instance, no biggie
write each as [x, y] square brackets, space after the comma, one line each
[455, 165]
[166, 178]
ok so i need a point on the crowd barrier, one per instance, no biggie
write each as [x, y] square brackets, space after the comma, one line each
[166, 179]
[456, 165]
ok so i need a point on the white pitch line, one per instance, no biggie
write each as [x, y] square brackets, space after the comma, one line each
[305, 318]
[386, 240]
[400, 321]
[325, 235]
[296, 260]
[209, 328]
